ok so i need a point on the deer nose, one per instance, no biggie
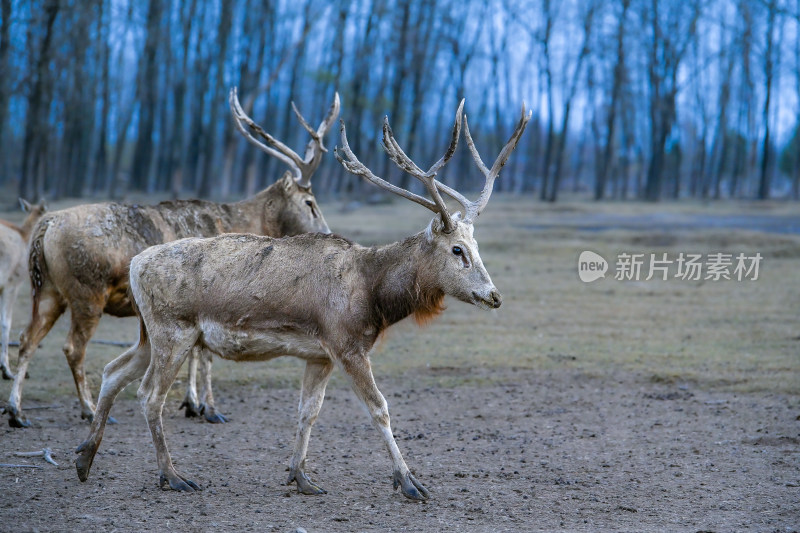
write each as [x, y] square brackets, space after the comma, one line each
[497, 298]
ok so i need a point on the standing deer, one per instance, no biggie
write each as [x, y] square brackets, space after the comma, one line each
[320, 298]
[13, 248]
[79, 257]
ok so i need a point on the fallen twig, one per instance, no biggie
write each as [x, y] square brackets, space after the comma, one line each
[95, 341]
[47, 453]
[123, 344]
[32, 407]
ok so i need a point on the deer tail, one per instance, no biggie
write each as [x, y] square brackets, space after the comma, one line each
[37, 263]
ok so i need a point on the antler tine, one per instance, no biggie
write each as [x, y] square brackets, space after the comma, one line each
[319, 133]
[473, 209]
[305, 124]
[453, 142]
[354, 166]
[330, 118]
[405, 163]
[428, 178]
[397, 154]
[278, 149]
[316, 146]
[242, 122]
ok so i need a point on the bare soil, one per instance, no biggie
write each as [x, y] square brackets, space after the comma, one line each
[612, 406]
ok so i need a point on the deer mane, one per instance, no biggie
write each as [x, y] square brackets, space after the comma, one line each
[430, 305]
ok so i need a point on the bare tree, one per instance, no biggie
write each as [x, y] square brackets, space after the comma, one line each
[148, 96]
[721, 144]
[769, 62]
[32, 179]
[618, 78]
[6, 10]
[210, 138]
[570, 90]
[672, 27]
[545, 40]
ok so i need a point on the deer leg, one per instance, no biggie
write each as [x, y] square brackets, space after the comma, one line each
[7, 297]
[190, 401]
[164, 366]
[46, 311]
[207, 406]
[84, 323]
[312, 394]
[117, 374]
[359, 370]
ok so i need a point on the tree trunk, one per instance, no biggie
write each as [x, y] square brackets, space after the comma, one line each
[99, 166]
[544, 193]
[209, 173]
[6, 8]
[35, 146]
[611, 121]
[148, 96]
[562, 141]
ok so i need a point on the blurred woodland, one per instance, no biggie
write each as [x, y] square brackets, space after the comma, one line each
[631, 99]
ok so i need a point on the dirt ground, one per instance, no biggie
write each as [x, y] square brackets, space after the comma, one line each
[610, 406]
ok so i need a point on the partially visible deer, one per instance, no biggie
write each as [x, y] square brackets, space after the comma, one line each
[320, 298]
[79, 257]
[13, 265]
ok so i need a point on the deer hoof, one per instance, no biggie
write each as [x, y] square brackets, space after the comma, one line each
[305, 485]
[192, 410]
[83, 463]
[410, 487]
[16, 419]
[178, 482]
[7, 374]
[213, 417]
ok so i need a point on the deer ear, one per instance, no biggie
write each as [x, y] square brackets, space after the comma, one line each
[25, 205]
[288, 182]
[435, 227]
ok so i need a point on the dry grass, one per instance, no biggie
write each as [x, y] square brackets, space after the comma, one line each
[739, 336]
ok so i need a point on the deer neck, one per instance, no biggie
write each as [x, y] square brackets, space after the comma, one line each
[27, 225]
[259, 213]
[400, 283]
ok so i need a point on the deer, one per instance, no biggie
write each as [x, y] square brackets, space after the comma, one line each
[79, 257]
[13, 266]
[321, 298]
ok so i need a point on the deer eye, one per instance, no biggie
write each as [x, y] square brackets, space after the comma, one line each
[457, 250]
[309, 203]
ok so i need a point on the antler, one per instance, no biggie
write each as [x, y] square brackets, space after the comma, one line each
[302, 168]
[396, 154]
[473, 209]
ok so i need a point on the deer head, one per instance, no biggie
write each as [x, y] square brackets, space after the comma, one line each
[300, 212]
[455, 265]
[35, 210]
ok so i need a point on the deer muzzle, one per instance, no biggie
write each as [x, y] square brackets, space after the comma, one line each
[491, 301]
